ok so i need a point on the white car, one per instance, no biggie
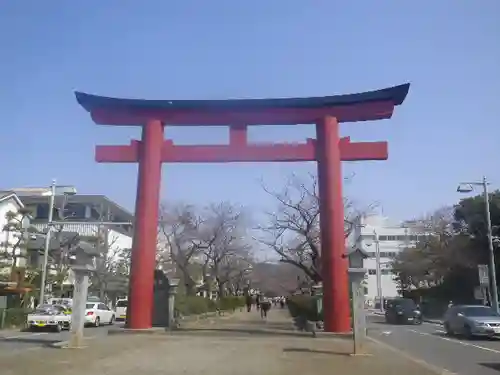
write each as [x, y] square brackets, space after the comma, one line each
[97, 313]
[121, 309]
[55, 317]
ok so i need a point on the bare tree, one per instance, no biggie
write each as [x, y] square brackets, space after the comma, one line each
[113, 265]
[207, 245]
[225, 246]
[180, 228]
[293, 230]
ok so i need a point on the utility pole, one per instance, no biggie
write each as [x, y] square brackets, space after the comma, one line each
[378, 271]
[47, 242]
[494, 289]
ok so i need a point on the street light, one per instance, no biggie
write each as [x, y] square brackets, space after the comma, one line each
[54, 190]
[377, 269]
[468, 187]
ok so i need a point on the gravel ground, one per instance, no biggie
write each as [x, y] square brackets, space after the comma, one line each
[236, 345]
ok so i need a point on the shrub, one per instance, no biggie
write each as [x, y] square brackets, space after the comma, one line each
[304, 306]
[231, 303]
[13, 318]
[195, 305]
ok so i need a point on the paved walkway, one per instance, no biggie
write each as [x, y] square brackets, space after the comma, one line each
[241, 344]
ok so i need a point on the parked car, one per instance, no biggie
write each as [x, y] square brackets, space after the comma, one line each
[97, 313]
[402, 311]
[121, 309]
[54, 317]
[472, 320]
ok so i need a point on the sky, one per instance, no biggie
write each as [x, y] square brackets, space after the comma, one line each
[446, 131]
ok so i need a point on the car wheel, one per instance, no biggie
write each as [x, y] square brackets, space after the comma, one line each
[468, 332]
[97, 322]
[112, 321]
[447, 329]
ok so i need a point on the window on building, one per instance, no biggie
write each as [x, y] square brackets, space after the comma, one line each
[382, 238]
[94, 214]
[372, 272]
[42, 211]
[74, 210]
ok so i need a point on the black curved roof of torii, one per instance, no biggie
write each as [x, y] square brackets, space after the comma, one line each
[395, 94]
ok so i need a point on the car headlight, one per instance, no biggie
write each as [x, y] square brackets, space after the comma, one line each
[480, 324]
[417, 312]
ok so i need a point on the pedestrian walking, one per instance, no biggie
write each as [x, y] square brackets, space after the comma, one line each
[248, 301]
[265, 306]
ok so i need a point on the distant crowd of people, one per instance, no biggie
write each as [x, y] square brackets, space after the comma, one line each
[263, 303]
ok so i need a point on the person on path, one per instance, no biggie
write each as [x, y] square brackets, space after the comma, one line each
[248, 301]
[265, 306]
[282, 302]
[257, 301]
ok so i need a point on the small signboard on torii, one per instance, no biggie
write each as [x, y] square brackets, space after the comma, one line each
[484, 274]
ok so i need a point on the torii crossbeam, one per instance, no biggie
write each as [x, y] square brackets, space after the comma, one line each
[328, 149]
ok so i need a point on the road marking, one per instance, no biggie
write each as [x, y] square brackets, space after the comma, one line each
[457, 341]
[21, 336]
[421, 362]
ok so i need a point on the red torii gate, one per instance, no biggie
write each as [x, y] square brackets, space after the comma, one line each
[328, 149]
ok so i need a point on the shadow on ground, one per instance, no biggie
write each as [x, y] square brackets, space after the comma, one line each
[39, 341]
[217, 332]
[312, 351]
[493, 366]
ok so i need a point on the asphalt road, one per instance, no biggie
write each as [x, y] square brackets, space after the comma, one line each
[429, 343]
[17, 341]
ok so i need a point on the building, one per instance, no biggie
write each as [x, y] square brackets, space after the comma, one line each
[9, 203]
[375, 233]
[82, 212]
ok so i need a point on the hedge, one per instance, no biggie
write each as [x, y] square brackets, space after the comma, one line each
[13, 318]
[185, 305]
[305, 306]
[194, 305]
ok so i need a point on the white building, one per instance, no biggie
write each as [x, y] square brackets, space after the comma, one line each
[377, 233]
[9, 202]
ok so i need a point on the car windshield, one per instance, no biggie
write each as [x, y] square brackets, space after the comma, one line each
[46, 309]
[478, 311]
[89, 306]
[405, 303]
[122, 303]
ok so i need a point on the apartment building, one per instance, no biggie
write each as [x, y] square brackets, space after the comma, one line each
[376, 233]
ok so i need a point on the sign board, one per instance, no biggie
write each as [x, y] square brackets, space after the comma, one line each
[484, 277]
[478, 293]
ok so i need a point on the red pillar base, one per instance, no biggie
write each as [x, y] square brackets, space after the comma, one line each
[336, 301]
[140, 307]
